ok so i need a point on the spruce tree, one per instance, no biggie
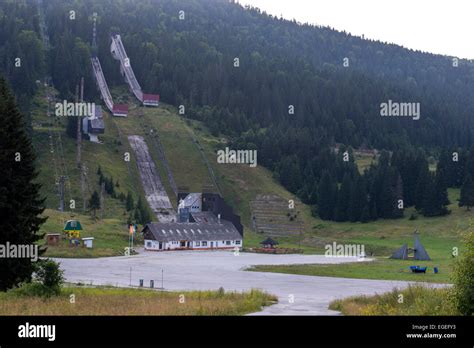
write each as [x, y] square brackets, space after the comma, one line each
[129, 202]
[327, 191]
[94, 203]
[20, 201]
[343, 199]
[467, 193]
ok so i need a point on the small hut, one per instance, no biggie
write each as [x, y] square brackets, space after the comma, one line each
[269, 243]
[52, 239]
[73, 229]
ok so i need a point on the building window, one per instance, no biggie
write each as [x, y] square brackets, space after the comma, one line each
[197, 243]
[237, 242]
[148, 244]
[227, 242]
[204, 243]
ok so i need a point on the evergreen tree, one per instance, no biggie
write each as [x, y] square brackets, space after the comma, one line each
[421, 184]
[365, 216]
[343, 199]
[467, 193]
[358, 200]
[327, 191]
[129, 202]
[94, 203]
[142, 215]
[20, 201]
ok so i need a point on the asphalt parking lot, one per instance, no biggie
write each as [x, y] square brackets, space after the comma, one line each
[207, 270]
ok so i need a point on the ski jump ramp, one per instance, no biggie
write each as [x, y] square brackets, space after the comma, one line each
[102, 84]
[118, 52]
[155, 192]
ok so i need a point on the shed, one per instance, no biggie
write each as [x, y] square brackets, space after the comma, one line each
[120, 110]
[52, 238]
[151, 99]
[269, 243]
[87, 242]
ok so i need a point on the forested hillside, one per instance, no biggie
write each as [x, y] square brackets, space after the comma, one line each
[243, 73]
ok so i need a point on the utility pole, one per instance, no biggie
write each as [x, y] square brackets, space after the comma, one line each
[78, 133]
[62, 178]
[299, 241]
[83, 187]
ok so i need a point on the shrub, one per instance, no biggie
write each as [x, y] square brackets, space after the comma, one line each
[50, 276]
[463, 277]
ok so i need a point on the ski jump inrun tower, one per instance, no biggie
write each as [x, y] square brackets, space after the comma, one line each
[119, 53]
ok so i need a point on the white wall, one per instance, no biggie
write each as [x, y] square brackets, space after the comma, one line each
[192, 245]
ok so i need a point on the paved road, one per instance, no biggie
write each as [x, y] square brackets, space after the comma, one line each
[204, 270]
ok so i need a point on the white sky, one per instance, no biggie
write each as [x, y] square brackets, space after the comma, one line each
[436, 26]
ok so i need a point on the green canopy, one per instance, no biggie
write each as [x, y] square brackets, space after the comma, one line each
[72, 225]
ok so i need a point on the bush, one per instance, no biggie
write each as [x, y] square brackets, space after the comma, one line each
[49, 276]
[34, 289]
[464, 278]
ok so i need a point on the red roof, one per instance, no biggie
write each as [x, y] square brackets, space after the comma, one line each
[151, 97]
[121, 108]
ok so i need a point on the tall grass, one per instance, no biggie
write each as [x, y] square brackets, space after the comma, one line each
[414, 300]
[119, 301]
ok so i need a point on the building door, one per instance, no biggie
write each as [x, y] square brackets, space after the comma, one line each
[212, 245]
[160, 245]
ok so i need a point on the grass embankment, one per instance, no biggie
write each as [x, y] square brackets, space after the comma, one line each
[118, 301]
[415, 300]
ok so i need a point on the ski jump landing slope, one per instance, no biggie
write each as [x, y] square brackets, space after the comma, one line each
[155, 192]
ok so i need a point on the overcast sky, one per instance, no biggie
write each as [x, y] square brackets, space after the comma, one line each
[437, 26]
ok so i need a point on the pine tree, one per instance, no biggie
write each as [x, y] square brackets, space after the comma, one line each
[129, 202]
[343, 199]
[365, 216]
[421, 184]
[94, 203]
[327, 191]
[467, 193]
[20, 201]
[142, 215]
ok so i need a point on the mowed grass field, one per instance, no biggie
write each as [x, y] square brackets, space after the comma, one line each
[121, 301]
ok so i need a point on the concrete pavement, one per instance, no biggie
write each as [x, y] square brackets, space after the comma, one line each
[209, 270]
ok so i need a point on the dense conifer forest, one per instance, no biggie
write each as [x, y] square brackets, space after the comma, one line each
[292, 91]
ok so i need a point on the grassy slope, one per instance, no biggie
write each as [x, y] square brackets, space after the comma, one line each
[113, 301]
[111, 233]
